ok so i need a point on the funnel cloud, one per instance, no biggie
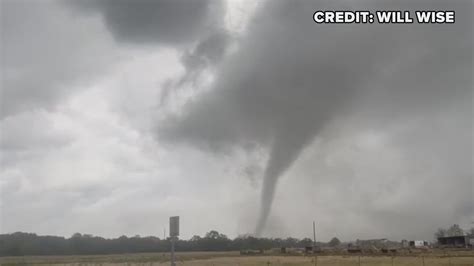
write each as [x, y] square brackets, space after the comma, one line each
[239, 116]
[290, 78]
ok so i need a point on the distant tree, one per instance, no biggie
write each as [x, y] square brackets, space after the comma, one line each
[455, 230]
[440, 233]
[306, 242]
[195, 238]
[334, 242]
[76, 235]
[214, 241]
[212, 234]
[471, 231]
[21, 244]
[290, 242]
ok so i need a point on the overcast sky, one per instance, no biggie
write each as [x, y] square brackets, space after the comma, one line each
[116, 115]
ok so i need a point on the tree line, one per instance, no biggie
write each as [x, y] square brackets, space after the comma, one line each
[19, 244]
[453, 230]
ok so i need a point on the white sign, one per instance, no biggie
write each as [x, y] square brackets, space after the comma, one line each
[174, 226]
[419, 243]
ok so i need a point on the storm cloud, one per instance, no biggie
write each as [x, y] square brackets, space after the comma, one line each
[157, 22]
[238, 116]
[46, 54]
[290, 78]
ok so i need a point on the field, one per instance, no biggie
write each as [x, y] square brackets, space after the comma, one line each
[235, 259]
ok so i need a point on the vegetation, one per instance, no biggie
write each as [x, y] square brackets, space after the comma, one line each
[233, 258]
[453, 230]
[18, 244]
[334, 242]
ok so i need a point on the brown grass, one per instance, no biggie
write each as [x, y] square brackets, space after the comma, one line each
[234, 259]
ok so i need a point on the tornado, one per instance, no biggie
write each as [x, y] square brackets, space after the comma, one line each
[289, 77]
[288, 145]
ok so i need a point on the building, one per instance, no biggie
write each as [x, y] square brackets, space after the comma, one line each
[404, 243]
[456, 241]
[351, 248]
[372, 243]
[418, 243]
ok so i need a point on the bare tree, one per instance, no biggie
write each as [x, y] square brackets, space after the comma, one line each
[455, 230]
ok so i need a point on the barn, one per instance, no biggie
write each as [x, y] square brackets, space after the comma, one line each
[456, 241]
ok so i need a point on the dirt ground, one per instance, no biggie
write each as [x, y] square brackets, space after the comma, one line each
[234, 259]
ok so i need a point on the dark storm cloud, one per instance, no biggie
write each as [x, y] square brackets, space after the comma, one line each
[48, 50]
[208, 52]
[206, 55]
[291, 77]
[401, 96]
[45, 53]
[157, 21]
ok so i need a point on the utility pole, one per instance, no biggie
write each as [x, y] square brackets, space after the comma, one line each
[314, 235]
[314, 244]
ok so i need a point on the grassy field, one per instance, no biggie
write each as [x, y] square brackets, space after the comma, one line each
[234, 259]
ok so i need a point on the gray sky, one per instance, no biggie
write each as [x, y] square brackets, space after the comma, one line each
[115, 116]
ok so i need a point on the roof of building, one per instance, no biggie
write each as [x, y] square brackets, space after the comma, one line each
[454, 237]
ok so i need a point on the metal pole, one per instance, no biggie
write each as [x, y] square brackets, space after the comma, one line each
[314, 234]
[314, 245]
[172, 251]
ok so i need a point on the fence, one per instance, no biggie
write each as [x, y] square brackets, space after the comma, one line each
[392, 260]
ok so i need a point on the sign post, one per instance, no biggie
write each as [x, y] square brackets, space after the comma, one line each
[172, 252]
[314, 244]
[174, 233]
